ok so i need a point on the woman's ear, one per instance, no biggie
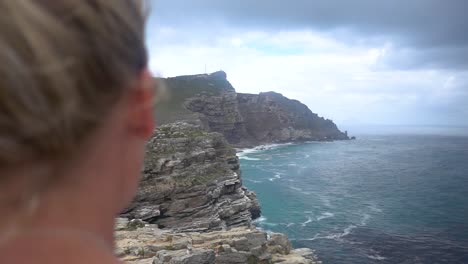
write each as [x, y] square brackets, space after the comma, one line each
[141, 106]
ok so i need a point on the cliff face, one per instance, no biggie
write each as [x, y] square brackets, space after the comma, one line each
[244, 119]
[191, 182]
[206, 100]
[271, 117]
[191, 196]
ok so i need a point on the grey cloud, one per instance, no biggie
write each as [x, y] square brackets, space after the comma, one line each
[431, 33]
[442, 58]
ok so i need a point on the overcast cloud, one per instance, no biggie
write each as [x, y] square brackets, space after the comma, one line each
[355, 61]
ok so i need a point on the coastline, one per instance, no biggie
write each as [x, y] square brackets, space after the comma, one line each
[192, 189]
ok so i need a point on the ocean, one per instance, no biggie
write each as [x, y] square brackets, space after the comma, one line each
[378, 199]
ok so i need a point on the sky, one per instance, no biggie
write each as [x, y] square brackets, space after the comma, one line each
[368, 62]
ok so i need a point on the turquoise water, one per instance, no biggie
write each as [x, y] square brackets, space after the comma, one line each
[379, 199]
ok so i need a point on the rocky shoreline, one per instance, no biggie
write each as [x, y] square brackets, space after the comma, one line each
[191, 207]
[142, 243]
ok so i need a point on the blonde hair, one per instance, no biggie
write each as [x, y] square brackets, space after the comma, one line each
[63, 63]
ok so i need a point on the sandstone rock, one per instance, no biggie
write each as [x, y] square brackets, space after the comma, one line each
[195, 256]
[238, 245]
[305, 252]
[279, 243]
[147, 213]
[191, 182]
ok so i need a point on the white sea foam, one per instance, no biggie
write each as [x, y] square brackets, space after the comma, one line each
[325, 216]
[254, 181]
[263, 222]
[348, 230]
[326, 202]
[248, 158]
[375, 208]
[376, 257]
[337, 236]
[261, 219]
[299, 190]
[309, 220]
[276, 177]
[269, 224]
[243, 154]
[365, 218]
[261, 148]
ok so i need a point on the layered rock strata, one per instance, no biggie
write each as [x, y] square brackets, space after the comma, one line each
[244, 119]
[191, 182]
[140, 243]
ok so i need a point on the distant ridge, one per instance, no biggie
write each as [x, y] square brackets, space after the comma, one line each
[209, 100]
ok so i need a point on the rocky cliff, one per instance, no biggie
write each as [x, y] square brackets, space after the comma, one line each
[271, 117]
[191, 182]
[191, 207]
[244, 119]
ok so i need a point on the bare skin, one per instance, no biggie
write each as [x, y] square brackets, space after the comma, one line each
[74, 220]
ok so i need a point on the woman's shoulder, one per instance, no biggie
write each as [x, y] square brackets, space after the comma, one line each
[55, 251]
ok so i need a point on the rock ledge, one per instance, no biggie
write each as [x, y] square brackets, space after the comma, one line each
[149, 245]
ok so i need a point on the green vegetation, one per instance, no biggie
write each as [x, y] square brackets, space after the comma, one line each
[182, 88]
[169, 247]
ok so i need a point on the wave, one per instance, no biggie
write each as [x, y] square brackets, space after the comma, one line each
[365, 218]
[337, 236]
[309, 220]
[348, 230]
[299, 190]
[375, 208]
[263, 222]
[261, 148]
[296, 189]
[376, 257]
[325, 216]
[248, 158]
[243, 154]
[254, 181]
[260, 219]
[326, 202]
[269, 224]
[276, 177]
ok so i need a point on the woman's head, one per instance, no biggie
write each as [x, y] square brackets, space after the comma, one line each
[73, 82]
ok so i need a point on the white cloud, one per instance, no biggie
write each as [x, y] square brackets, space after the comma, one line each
[338, 81]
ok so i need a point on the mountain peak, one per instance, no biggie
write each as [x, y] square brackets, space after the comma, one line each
[219, 75]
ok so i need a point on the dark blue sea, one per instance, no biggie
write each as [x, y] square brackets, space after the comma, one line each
[378, 199]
